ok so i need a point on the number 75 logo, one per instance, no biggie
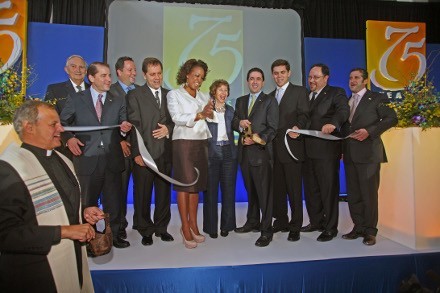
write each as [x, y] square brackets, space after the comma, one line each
[395, 53]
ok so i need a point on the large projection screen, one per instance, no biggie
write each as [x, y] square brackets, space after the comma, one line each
[230, 39]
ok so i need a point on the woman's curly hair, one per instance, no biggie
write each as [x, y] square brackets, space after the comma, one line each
[186, 68]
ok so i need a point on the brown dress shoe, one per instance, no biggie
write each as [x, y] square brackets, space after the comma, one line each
[369, 240]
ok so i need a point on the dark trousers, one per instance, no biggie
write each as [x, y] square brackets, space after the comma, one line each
[126, 174]
[222, 171]
[362, 189]
[321, 186]
[144, 181]
[287, 179]
[104, 185]
[257, 181]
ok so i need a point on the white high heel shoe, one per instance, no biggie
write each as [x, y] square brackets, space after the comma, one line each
[197, 238]
[188, 243]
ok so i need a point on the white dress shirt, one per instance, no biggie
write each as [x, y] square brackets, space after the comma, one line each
[221, 130]
[183, 109]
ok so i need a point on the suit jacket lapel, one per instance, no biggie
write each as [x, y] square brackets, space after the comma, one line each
[88, 100]
[256, 103]
[120, 90]
[286, 94]
[229, 114]
[319, 97]
[69, 87]
[150, 96]
[362, 104]
[109, 100]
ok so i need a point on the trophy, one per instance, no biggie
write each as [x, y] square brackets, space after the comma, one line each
[247, 132]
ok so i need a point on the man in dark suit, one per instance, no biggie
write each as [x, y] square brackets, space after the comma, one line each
[57, 93]
[257, 112]
[75, 68]
[363, 152]
[98, 158]
[147, 110]
[41, 229]
[328, 111]
[126, 72]
[287, 172]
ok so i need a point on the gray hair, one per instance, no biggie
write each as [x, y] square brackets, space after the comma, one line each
[28, 111]
[75, 56]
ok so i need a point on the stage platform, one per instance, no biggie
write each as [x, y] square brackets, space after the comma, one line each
[235, 264]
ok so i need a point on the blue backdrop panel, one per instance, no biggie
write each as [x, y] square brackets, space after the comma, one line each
[339, 55]
[49, 45]
[365, 274]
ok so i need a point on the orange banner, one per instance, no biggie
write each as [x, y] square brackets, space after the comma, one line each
[13, 32]
[396, 53]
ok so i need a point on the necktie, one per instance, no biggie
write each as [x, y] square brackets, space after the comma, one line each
[78, 88]
[129, 88]
[353, 104]
[156, 95]
[98, 107]
[313, 97]
[279, 95]
[252, 103]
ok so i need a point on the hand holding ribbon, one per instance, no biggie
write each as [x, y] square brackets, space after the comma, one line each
[146, 157]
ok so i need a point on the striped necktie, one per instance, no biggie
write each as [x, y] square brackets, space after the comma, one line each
[98, 107]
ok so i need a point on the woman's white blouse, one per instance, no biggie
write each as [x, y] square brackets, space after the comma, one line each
[183, 109]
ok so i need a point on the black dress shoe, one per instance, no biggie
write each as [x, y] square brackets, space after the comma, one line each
[224, 233]
[293, 236]
[277, 228]
[369, 240]
[352, 235]
[246, 229]
[120, 243]
[122, 234]
[310, 228]
[165, 236]
[326, 236]
[147, 240]
[213, 235]
[263, 241]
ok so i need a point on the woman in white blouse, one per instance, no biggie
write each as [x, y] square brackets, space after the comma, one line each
[189, 108]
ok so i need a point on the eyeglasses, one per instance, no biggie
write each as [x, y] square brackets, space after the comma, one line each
[315, 77]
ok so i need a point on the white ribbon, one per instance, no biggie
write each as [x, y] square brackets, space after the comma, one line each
[315, 133]
[146, 157]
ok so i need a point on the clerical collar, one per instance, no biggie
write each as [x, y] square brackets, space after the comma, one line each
[36, 150]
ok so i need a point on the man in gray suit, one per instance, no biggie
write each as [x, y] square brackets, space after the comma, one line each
[363, 152]
[258, 112]
[126, 72]
[147, 110]
[98, 158]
